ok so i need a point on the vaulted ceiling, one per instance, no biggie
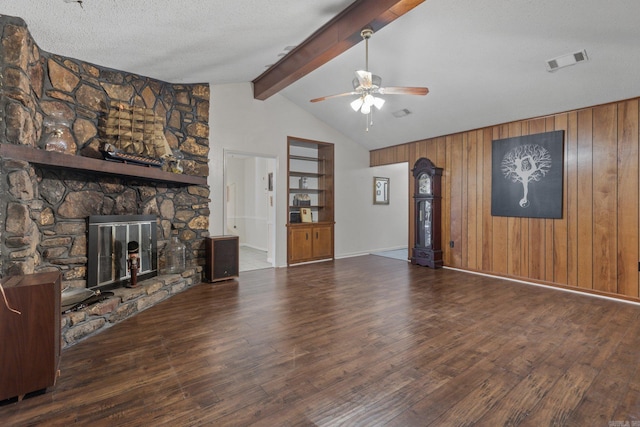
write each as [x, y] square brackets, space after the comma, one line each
[483, 61]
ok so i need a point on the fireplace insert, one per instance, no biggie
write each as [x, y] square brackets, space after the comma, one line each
[108, 240]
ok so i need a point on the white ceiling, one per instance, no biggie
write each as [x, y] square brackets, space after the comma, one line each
[483, 61]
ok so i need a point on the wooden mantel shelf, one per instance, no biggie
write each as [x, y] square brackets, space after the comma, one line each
[90, 165]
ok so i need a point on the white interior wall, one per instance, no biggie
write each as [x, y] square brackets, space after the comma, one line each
[238, 122]
[392, 220]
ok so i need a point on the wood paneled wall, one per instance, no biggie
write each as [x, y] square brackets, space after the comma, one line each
[594, 247]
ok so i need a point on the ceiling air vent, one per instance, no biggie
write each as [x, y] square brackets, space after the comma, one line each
[566, 60]
[401, 113]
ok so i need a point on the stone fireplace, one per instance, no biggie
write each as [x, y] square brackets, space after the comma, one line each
[46, 197]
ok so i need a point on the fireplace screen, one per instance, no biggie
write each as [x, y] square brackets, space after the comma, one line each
[109, 238]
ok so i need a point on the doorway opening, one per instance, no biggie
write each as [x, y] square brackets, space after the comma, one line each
[250, 207]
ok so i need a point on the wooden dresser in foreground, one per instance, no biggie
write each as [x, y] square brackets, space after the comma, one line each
[31, 344]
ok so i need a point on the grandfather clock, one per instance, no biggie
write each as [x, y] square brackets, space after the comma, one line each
[427, 201]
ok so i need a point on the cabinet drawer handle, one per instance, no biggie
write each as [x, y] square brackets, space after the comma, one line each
[307, 235]
[316, 235]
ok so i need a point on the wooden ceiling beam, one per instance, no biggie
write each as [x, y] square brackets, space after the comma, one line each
[332, 39]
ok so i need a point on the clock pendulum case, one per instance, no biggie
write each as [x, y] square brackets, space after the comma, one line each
[427, 250]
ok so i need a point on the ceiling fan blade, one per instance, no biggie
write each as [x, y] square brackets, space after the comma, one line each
[364, 77]
[403, 90]
[322, 98]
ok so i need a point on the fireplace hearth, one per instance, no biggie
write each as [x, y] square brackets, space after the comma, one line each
[110, 236]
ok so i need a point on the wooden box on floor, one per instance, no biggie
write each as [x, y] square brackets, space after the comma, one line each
[30, 340]
[222, 258]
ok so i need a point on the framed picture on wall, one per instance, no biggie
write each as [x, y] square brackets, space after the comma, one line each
[526, 176]
[380, 191]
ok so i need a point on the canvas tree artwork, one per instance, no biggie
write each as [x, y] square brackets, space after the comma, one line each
[526, 179]
[525, 164]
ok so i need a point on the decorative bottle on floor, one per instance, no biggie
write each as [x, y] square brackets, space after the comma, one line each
[174, 255]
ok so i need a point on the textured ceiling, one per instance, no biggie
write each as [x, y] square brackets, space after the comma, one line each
[483, 60]
[194, 41]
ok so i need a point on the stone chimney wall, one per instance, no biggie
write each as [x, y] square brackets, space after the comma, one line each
[43, 209]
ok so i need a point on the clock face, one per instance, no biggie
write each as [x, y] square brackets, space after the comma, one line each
[424, 184]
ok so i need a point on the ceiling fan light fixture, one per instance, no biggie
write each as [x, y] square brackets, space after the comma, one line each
[366, 85]
[356, 104]
[368, 100]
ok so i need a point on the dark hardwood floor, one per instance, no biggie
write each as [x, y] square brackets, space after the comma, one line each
[363, 341]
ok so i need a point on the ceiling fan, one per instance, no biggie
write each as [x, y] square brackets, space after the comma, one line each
[367, 85]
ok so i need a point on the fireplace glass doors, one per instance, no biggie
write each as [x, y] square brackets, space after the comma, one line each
[109, 238]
